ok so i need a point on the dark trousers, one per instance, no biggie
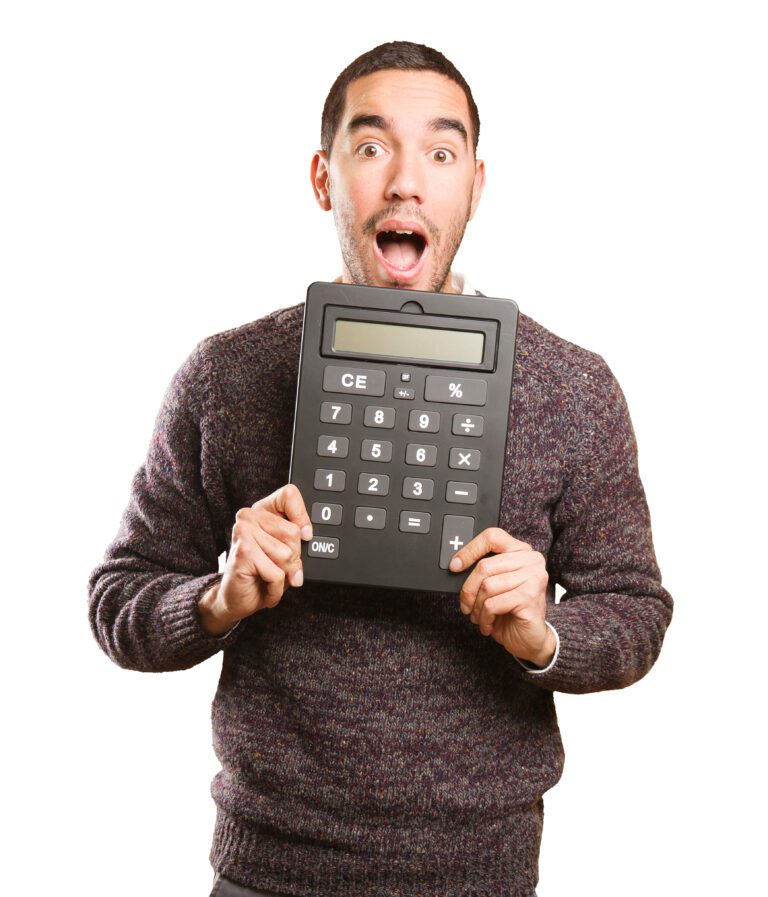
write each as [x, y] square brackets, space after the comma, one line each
[225, 887]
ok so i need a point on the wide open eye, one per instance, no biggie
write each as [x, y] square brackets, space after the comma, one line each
[368, 155]
[445, 152]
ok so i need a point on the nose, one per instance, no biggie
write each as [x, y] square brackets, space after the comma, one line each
[405, 178]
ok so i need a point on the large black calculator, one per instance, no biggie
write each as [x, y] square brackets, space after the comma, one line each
[400, 430]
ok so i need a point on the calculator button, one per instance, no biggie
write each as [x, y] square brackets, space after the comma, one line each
[404, 392]
[464, 459]
[371, 450]
[323, 547]
[467, 425]
[416, 488]
[458, 390]
[415, 521]
[405, 376]
[357, 380]
[465, 493]
[321, 513]
[370, 518]
[457, 532]
[373, 484]
[335, 412]
[421, 454]
[426, 421]
[378, 416]
[332, 480]
[333, 446]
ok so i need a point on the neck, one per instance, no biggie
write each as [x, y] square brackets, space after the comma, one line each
[447, 287]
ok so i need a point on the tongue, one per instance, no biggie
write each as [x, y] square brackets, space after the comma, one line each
[401, 254]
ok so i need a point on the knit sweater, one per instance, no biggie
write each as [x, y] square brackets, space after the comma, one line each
[373, 741]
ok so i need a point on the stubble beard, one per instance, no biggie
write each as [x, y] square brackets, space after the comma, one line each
[362, 269]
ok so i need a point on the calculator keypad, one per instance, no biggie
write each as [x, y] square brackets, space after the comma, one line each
[457, 529]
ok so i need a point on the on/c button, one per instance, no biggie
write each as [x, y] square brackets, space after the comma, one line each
[323, 547]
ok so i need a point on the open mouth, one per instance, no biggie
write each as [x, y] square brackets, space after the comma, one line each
[401, 251]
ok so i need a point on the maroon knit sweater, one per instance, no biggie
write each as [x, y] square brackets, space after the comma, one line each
[373, 741]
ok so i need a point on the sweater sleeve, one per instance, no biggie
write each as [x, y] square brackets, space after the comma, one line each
[613, 615]
[142, 598]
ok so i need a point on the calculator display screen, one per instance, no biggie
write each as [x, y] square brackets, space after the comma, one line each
[396, 340]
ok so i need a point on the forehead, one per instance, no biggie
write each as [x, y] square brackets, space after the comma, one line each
[409, 98]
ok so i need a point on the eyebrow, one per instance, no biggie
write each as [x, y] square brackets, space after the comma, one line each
[386, 124]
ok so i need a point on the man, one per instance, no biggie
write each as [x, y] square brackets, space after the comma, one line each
[372, 741]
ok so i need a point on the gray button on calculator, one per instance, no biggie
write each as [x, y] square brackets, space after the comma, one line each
[415, 521]
[417, 488]
[333, 446]
[404, 392]
[371, 450]
[356, 380]
[333, 480]
[464, 459]
[458, 389]
[465, 493]
[421, 454]
[323, 547]
[335, 412]
[467, 425]
[325, 513]
[457, 532]
[378, 416]
[373, 484]
[426, 421]
[370, 518]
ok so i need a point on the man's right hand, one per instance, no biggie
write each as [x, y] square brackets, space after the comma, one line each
[264, 559]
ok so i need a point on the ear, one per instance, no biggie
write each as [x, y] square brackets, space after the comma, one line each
[319, 175]
[477, 187]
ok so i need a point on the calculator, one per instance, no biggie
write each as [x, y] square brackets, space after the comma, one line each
[400, 431]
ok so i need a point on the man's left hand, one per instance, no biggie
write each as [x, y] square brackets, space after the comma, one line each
[506, 594]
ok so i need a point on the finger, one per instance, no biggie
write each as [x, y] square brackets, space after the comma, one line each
[271, 575]
[491, 539]
[285, 556]
[282, 529]
[289, 502]
[249, 554]
[503, 595]
[488, 566]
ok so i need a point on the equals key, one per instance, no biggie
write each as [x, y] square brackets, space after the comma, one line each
[415, 521]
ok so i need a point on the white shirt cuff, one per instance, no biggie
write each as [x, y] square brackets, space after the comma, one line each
[229, 631]
[532, 668]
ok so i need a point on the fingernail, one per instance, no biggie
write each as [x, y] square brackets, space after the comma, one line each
[298, 578]
[464, 609]
[455, 564]
[306, 532]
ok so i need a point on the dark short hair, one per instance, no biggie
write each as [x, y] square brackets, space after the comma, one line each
[396, 54]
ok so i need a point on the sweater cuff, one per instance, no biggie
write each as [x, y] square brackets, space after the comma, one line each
[531, 666]
[182, 624]
[578, 649]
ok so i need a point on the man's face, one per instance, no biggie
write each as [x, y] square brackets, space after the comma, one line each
[400, 161]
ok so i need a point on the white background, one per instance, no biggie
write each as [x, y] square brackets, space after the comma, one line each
[155, 189]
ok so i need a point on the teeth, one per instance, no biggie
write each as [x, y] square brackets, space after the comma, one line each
[403, 231]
